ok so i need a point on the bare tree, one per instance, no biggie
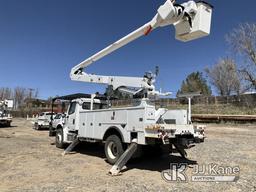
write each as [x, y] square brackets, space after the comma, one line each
[243, 41]
[20, 95]
[5, 93]
[224, 77]
[36, 93]
[30, 93]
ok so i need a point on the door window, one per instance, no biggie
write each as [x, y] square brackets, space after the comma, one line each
[86, 106]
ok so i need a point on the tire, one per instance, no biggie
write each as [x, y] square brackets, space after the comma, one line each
[113, 149]
[59, 139]
[37, 127]
[52, 132]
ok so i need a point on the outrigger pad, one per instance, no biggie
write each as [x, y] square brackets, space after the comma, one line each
[181, 150]
[121, 162]
[71, 146]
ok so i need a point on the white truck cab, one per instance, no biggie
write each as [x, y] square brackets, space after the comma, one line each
[58, 120]
[43, 120]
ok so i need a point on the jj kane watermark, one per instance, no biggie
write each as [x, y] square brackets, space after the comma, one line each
[201, 173]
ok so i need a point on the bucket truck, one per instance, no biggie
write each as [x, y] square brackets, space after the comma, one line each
[123, 130]
[5, 116]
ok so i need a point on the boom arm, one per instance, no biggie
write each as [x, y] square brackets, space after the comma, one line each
[186, 19]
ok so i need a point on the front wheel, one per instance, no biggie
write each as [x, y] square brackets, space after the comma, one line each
[37, 127]
[113, 149]
[52, 132]
[59, 139]
[8, 124]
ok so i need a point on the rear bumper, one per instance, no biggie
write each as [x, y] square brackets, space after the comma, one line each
[43, 125]
[195, 133]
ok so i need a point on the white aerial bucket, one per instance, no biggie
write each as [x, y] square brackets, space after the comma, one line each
[201, 24]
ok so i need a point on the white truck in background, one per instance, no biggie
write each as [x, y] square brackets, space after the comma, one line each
[5, 115]
[124, 129]
[43, 121]
[58, 120]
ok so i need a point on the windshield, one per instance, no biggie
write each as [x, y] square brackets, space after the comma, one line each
[58, 116]
[43, 114]
[50, 114]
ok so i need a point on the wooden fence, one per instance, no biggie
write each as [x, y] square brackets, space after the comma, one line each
[242, 104]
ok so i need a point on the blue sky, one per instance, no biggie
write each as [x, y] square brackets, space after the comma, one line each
[41, 40]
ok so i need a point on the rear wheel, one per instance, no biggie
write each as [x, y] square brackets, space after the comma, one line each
[59, 139]
[113, 149]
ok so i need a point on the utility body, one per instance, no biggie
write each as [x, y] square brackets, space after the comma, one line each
[90, 119]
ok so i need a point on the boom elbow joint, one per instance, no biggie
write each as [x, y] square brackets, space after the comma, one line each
[76, 71]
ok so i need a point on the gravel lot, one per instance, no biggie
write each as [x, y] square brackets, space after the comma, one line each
[29, 161]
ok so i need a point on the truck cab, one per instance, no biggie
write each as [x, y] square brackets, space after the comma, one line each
[69, 131]
[81, 104]
[43, 120]
[58, 120]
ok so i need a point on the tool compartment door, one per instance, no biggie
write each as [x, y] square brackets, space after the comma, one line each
[86, 125]
[135, 120]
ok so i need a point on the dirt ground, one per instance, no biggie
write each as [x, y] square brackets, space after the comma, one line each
[29, 161]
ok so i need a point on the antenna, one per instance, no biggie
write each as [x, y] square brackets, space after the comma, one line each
[157, 70]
